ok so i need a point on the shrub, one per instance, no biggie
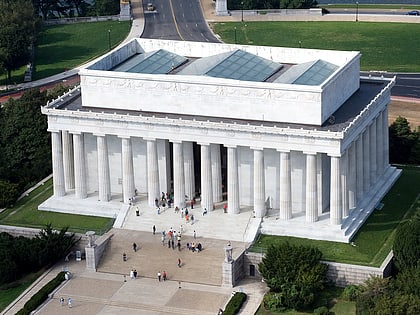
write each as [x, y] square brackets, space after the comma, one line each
[38, 298]
[351, 293]
[235, 304]
[323, 310]
[407, 245]
[273, 302]
[295, 272]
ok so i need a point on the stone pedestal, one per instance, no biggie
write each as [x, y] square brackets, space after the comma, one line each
[221, 7]
[91, 258]
[228, 274]
[125, 10]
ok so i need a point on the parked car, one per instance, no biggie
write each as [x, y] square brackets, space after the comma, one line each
[150, 7]
[413, 12]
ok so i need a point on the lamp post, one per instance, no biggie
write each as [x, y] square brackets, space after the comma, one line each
[300, 44]
[357, 11]
[235, 34]
[242, 16]
[109, 39]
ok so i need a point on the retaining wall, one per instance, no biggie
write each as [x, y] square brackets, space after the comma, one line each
[341, 274]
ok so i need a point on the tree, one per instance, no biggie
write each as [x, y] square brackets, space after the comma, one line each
[407, 245]
[401, 140]
[25, 142]
[18, 25]
[294, 272]
[107, 7]
[8, 193]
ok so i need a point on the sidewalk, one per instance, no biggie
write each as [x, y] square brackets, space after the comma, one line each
[195, 288]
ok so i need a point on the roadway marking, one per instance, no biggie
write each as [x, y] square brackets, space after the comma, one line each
[176, 24]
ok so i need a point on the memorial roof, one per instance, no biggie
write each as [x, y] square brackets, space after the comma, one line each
[369, 89]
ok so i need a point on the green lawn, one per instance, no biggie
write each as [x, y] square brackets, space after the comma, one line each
[10, 291]
[25, 213]
[62, 47]
[374, 240]
[371, 39]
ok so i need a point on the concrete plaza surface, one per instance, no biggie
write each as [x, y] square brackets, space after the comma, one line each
[193, 288]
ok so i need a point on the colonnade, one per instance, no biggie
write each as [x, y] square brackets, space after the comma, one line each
[352, 173]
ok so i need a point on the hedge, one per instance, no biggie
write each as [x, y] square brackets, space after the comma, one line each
[38, 298]
[235, 304]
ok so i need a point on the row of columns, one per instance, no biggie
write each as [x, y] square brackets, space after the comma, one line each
[351, 174]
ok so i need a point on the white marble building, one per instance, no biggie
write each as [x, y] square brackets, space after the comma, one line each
[294, 134]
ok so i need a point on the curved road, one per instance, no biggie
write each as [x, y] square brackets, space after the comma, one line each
[177, 20]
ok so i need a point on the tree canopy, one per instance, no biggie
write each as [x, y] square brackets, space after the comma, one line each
[21, 255]
[19, 26]
[294, 273]
[404, 143]
[25, 144]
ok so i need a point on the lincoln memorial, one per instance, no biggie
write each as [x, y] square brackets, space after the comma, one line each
[295, 138]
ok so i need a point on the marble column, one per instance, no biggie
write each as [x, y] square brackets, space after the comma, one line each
[153, 192]
[179, 180]
[344, 183]
[359, 169]
[57, 164]
[127, 169]
[311, 191]
[216, 172]
[335, 194]
[372, 140]
[319, 183]
[206, 180]
[366, 161]
[189, 169]
[104, 180]
[379, 145]
[385, 133]
[79, 166]
[285, 187]
[259, 183]
[233, 181]
[352, 185]
[68, 160]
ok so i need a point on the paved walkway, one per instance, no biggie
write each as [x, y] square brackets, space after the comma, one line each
[195, 288]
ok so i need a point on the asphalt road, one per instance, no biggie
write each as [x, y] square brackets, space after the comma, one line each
[177, 20]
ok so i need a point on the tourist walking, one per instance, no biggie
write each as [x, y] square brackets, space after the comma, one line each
[179, 262]
[159, 276]
[70, 302]
[154, 229]
[134, 247]
[164, 275]
[195, 235]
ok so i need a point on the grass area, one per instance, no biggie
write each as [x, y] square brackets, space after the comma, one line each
[25, 213]
[63, 47]
[330, 296]
[371, 39]
[374, 240]
[9, 292]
